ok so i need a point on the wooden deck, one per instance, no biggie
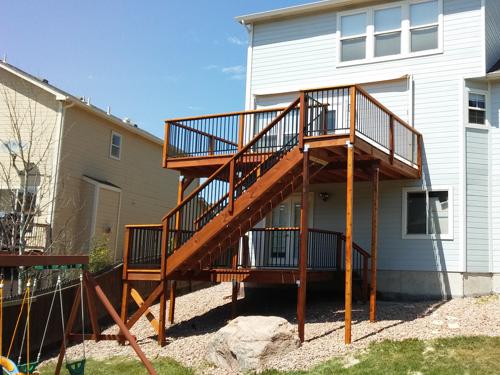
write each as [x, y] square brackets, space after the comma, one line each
[252, 161]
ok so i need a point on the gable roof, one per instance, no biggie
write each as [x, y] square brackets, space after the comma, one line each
[299, 10]
[67, 97]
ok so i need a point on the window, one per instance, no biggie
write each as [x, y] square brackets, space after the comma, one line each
[353, 34]
[387, 31]
[424, 25]
[116, 146]
[404, 29]
[427, 214]
[477, 109]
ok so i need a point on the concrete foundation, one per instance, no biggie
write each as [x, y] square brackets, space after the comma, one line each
[413, 285]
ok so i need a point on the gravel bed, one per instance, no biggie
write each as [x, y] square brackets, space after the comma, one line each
[201, 313]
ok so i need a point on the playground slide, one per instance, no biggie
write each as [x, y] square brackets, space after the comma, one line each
[9, 367]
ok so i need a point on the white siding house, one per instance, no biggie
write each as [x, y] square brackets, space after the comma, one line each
[432, 67]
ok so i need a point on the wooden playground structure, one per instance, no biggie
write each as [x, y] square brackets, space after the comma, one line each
[86, 297]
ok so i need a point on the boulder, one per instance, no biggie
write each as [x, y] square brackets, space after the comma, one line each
[248, 342]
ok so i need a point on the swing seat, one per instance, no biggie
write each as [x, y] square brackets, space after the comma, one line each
[25, 369]
[76, 367]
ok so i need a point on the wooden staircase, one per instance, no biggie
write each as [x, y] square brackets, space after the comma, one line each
[237, 196]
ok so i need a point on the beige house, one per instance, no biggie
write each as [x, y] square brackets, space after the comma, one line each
[96, 172]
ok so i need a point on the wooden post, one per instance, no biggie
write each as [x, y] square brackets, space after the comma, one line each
[171, 306]
[304, 234]
[374, 239]
[165, 144]
[352, 118]
[211, 145]
[419, 155]
[125, 288]
[241, 132]
[348, 242]
[231, 185]
[391, 138]
[303, 119]
[163, 308]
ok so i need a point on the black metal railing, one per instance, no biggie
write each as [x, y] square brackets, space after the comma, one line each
[143, 245]
[328, 111]
[215, 134]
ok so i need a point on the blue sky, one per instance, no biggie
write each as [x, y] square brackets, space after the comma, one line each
[148, 60]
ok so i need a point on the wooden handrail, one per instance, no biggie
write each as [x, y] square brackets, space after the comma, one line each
[143, 226]
[228, 114]
[234, 157]
[208, 135]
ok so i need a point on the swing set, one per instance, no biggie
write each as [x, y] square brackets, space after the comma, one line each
[88, 290]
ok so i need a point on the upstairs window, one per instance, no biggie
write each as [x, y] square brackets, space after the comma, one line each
[477, 109]
[424, 25]
[387, 31]
[353, 34]
[115, 150]
[399, 30]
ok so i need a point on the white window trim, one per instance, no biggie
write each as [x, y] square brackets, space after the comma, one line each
[113, 133]
[487, 124]
[449, 235]
[405, 34]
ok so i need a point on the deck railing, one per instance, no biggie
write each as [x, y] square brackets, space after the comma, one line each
[211, 135]
[143, 245]
[230, 181]
[329, 112]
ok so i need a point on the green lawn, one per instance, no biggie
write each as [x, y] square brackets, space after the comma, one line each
[461, 355]
[453, 356]
[124, 366]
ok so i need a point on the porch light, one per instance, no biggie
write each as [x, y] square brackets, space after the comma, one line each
[324, 196]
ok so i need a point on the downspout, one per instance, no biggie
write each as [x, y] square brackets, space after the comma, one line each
[56, 162]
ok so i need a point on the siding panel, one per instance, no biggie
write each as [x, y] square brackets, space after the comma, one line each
[477, 200]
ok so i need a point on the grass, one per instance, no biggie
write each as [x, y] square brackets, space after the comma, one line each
[125, 366]
[447, 356]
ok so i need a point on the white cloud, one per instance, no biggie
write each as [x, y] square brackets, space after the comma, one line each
[235, 72]
[236, 40]
[236, 69]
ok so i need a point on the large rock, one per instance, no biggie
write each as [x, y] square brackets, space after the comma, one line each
[247, 342]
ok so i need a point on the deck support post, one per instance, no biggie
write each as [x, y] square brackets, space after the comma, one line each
[374, 240]
[348, 242]
[304, 243]
[171, 306]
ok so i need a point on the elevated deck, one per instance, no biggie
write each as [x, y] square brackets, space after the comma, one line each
[251, 162]
[198, 146]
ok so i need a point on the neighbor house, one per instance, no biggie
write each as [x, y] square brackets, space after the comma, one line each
[95, 172]
[369, 144]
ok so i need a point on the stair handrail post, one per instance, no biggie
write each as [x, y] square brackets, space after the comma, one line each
[241, 131]
[164, 247]
[303, 118]
[231, 185]
[165, 144]
[352, 119]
